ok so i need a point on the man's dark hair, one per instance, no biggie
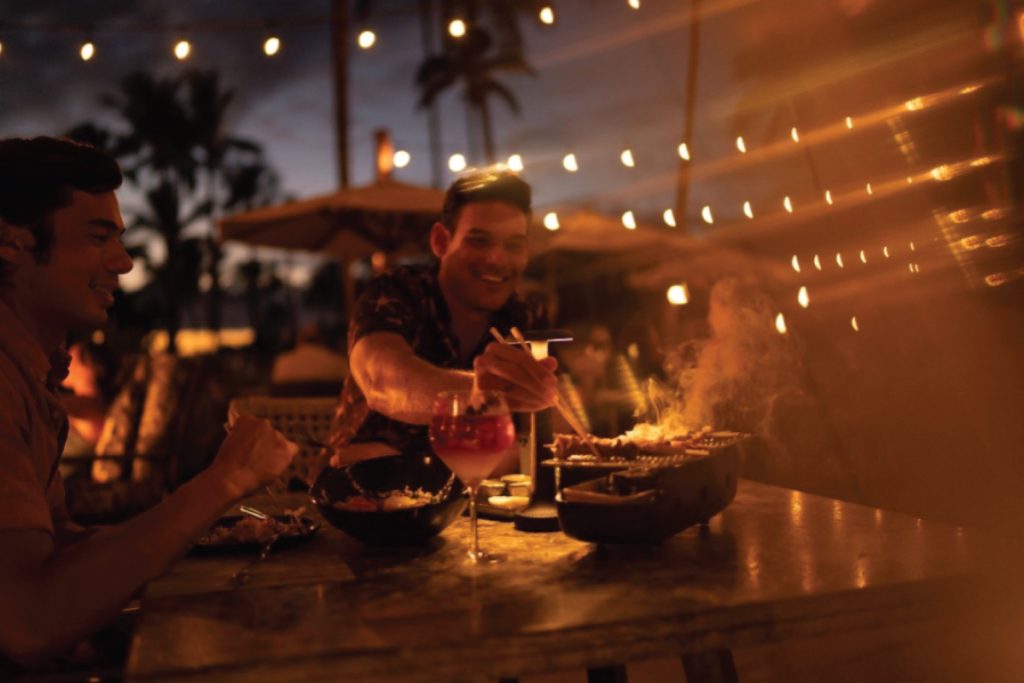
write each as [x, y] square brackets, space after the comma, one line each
[488, 185]
[38, 175]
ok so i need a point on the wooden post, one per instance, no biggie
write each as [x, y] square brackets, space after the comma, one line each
[339, 60]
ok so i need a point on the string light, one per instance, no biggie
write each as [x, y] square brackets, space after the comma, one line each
[629, 220]
[741, 145]
[635, 4]
[854, 325]
[551, 221]
[868, 188]
[780, 323]
[803, 298]
[515, 163]
[457, 163]
[569, 162]
[849, 122]
[402, 158]
[828, 197]
[547, 15]
[87, 51]
[817, 262]
[182, 49]
[271, 46]
[748, 211]
[366, 39]
[912, 247]
[839, 260]
[678, 295]
[1, 47]
[669, 217]
[788, 204]
[456, 28]
[794, 134]
[627, 158]
[885, 252]
[795, 263]
[705, 213]
[684, 151]
[863, 257]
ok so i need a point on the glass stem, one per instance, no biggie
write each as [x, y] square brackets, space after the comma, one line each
[474, 546]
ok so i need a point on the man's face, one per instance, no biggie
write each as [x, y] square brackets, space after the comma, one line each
[75, 287]
[482, 261]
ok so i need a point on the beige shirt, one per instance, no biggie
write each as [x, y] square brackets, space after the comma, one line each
[33, 428]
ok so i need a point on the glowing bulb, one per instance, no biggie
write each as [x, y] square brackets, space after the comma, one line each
[748, 211]
[863, 257]
[569, 162]
[515, 163]
[912, 247]
[402, 158]
[915, 104]
[635, 4]
[839, 259]
[678, 295]
[740, 145]
[817, 262]
[849, 122]
[794, 134]
[828, 197]
[705, 213]
[780, 323]
[885, 252]
[271, 46]
[910, 181]
[547, 15]
[669, 217]
[788, 204]
[802, 297]
[795, 263]
[868, 189]
[629, 220]
[87, 51]
[456, 163]
[366, 39]
[627, 158]
[551, 221]
[684, 151]
[854, 325]
[182, 49]
[1, 48]
[456, 28]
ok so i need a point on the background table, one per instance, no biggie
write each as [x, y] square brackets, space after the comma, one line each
[776, 564]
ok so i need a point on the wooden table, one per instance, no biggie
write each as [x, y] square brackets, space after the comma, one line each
[776, 564]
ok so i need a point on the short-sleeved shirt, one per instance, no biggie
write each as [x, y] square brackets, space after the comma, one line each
[33, 429]
[408, 301]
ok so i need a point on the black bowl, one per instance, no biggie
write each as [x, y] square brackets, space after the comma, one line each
[405, 526]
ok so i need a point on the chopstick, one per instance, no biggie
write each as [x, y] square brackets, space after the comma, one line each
[560, 404]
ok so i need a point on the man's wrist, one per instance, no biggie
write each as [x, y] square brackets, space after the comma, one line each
[224, 484]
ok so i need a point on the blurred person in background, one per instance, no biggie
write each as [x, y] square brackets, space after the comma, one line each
[61, 254]
[310, 368]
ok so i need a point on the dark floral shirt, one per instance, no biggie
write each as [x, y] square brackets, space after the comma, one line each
[408, 301]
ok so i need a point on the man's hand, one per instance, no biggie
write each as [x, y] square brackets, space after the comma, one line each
[252, 455]
[529, 384]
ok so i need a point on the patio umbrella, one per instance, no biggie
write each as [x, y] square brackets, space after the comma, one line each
[349, 223]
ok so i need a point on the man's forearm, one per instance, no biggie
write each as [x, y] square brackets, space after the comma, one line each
[405, 391]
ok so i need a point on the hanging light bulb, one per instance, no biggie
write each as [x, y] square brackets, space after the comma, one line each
[787, 204]
[828, 197]
[863, 256]
[839, 260]
[795, 263]
[849, 122]
[182, 49]
[271, 46]
[515, 163]
[741, 145]
[401, 158]
[868, 189]
[547, 15]
[629, 220]
[854, 325]
[794, 134]
[684, 151]
[457, 163]
[87, 51]
[551, 221]
[705, 213]
[635, 4]
[678, 295]
[366, 39]
[569, 163]
[885, 251]
[669, 217]
[748, 211]
[456, 28]
[627, 158]
[803, 298]
[780, 323]
[817, 262]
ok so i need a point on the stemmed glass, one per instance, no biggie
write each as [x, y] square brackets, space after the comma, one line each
[472, 431]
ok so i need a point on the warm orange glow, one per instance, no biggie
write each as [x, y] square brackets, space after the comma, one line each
[551, 221]
[402, 158]
[849, 122]
[999, 240]
[802, 297]
[87, 51]
[839, 260]
[748, 211]
[854, 325]
[885, 252]
[635, 4]
[547, 15]
[515, 163]
[912, 247]
[971, 242]
[456, 28]
[794, 134]
[788, 204]
[569, 163]
[182, 49]
[678, 295]
[817, 262]
[366, 39]
[705, 213]
[684, 151]
[456, 163]
[669, 217]
[863, 257]
[741, 145]
[828, 197]
[942, 172]
[271, 46]
[958, 216]
[915, 104]
[629, 220]
[780, 323]
[868, 189]
[795, 263]
[627, 158]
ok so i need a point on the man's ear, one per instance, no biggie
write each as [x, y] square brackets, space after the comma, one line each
[440, 239]
[16, 243]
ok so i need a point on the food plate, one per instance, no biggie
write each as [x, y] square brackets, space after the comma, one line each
[243, 534]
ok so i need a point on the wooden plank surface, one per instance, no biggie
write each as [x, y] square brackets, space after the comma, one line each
[776, 564]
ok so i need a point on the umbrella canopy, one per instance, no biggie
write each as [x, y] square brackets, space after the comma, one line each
[350, 223]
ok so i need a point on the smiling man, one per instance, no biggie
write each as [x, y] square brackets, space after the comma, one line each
[419, 330]
[60, 258]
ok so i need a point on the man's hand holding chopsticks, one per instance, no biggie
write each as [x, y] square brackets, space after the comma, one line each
[529, 385]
